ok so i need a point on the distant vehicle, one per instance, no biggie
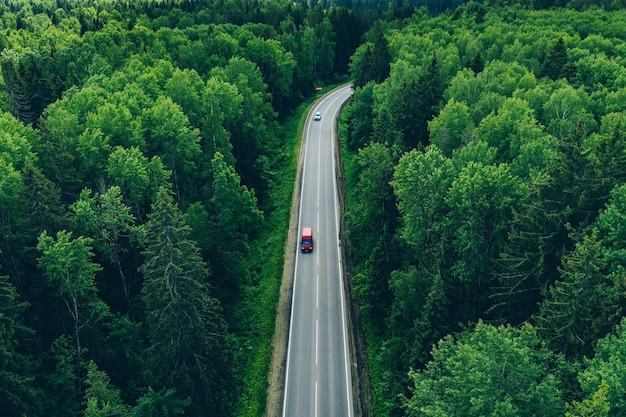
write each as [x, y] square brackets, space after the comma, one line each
[306, 242]
[318, 116]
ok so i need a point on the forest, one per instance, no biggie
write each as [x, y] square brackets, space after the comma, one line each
[485, 152]
[147, 158]
[146, 168]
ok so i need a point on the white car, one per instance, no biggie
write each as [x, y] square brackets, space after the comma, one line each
[317, 116]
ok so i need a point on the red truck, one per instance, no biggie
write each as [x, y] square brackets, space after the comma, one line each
[306, 242]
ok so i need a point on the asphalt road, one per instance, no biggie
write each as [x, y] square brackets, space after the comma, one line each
[317, 380]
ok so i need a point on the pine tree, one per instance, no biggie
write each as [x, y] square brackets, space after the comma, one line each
[555, 65]
[579, 309]
[188, 335]
[17, 391]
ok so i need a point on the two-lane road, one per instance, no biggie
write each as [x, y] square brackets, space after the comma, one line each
[317, 380]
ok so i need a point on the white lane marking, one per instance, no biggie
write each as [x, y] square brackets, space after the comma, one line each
[317, 343]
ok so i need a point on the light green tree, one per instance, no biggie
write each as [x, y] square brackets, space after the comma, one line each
[481, 202]
[488, 371]
[102, 398]
[67, 265]
[606, 367]
[169, 135]
[452, 127]
[109, 222]
[138, 177]
[595, 406]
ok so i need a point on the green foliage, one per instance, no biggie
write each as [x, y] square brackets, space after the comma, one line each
[162, 403]
[581, 304]
[502, 207]
[30, 81]
[124, 99]
[17, 389]
[525, 106]
[112, 226]
[102, 399]
[371, 61]
[70, 272]
[596, 406]
[489, 371]
[604, 376]
[62, 379]
[376, 211]
[189, 344]
[138, 176]
[451, 128]
[556, 64]
[236, 219]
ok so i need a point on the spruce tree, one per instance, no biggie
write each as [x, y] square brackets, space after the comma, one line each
[17, 388]
[555, 65]
[185, 327]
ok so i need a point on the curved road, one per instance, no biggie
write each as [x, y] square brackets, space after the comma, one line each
[317, 380]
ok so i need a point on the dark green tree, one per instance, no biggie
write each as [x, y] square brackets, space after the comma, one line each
[31, 82]
[477, 64]
[481, 201]
[254, 134]
[372, 62]
[555, 65]
[360, 116]
[277, 66]
[60, 378]
[233, 208]
[429, 92]
[18, 392]
[374, 207]
[189, 347]
[581, 304]
[409, 115]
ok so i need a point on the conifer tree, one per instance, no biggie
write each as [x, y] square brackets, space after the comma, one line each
[579, 309]
[187, 333]
[555, 65]
[17, 391]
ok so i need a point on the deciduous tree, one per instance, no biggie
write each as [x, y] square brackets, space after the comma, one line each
[489, 371]
[111, 225]
[66, 263]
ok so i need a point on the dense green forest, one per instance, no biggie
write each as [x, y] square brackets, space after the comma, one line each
[146, 167]
[145, 179]
[486, 156]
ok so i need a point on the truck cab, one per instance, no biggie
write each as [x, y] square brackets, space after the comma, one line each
[306, 241]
